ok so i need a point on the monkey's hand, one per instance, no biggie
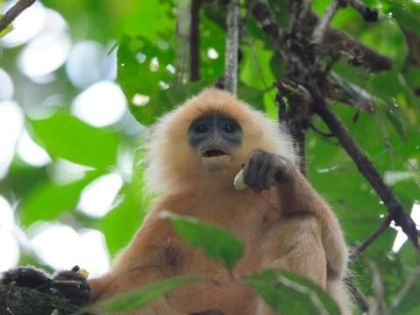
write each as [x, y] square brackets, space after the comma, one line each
[73, 285]
[263, 170]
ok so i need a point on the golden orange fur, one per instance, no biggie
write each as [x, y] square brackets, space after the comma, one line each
[287, 226]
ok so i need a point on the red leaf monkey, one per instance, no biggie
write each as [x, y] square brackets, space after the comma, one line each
[194, 154]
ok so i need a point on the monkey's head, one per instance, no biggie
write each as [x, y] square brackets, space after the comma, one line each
[215, 138]
[206, 141]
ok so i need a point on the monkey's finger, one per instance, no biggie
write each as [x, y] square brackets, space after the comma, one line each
[253, 167]
[283, 170]
[251, 170]
[263, 181]
[271, 175]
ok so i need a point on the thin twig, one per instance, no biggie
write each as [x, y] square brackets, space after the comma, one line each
[322, 133]
[232, 42]
[265, 18]
[366, 168]
[75, 283]
[378, 305]
[195, 40]
[357, 294]
[14, 12]
[405, 288]
[336, 43]
[299, 10]
[324, 22]
[183, 36]
[369, 15]
[369, 240]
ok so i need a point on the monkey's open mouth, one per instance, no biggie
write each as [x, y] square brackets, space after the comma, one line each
[213, 153]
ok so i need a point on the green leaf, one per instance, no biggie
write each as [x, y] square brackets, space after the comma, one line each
[151, 19]
[290, 293]
[255, 69]
[217, 243]
[22, 178]
[164, 101]
[48, 201]
[407, 13]
[8, 28]
[143, 65]
[66, 136]
[212, 38]
[129, 211]
[142, 79]
[126, 214]
[142, 69]
[145, 295]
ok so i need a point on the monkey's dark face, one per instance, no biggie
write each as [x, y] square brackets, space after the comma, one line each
[215, 136]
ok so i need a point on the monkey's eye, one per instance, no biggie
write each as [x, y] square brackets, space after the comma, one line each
[200, 128]
[229, 128]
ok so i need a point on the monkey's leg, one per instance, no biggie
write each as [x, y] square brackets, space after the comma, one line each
[295, 244]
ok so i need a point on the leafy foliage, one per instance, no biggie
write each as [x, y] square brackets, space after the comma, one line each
[288, 292]
[217, 243]
[143, 296]
[49, 201]
[76, 141]
[151, 62]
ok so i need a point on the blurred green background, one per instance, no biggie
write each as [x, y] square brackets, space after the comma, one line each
[81, 81]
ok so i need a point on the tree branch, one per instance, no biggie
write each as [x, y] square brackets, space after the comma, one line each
[357, 294]
[338, 42]
[295, 116]
[299, 10]
[378, 305]
[14, 12]
[232, 42]
[263, 15]
[324, 23]
[369, 15]
[22, 300]
[195, 40]
[405, 288]
[365, 166]
[369, 240]
[340, 90]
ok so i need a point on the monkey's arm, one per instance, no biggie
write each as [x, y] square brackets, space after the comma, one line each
[263, 170]
[308, 238]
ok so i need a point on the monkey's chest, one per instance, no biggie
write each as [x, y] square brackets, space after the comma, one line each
[249, 223]
[250, 220]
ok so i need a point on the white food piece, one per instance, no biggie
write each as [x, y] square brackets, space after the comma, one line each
[239, 181]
